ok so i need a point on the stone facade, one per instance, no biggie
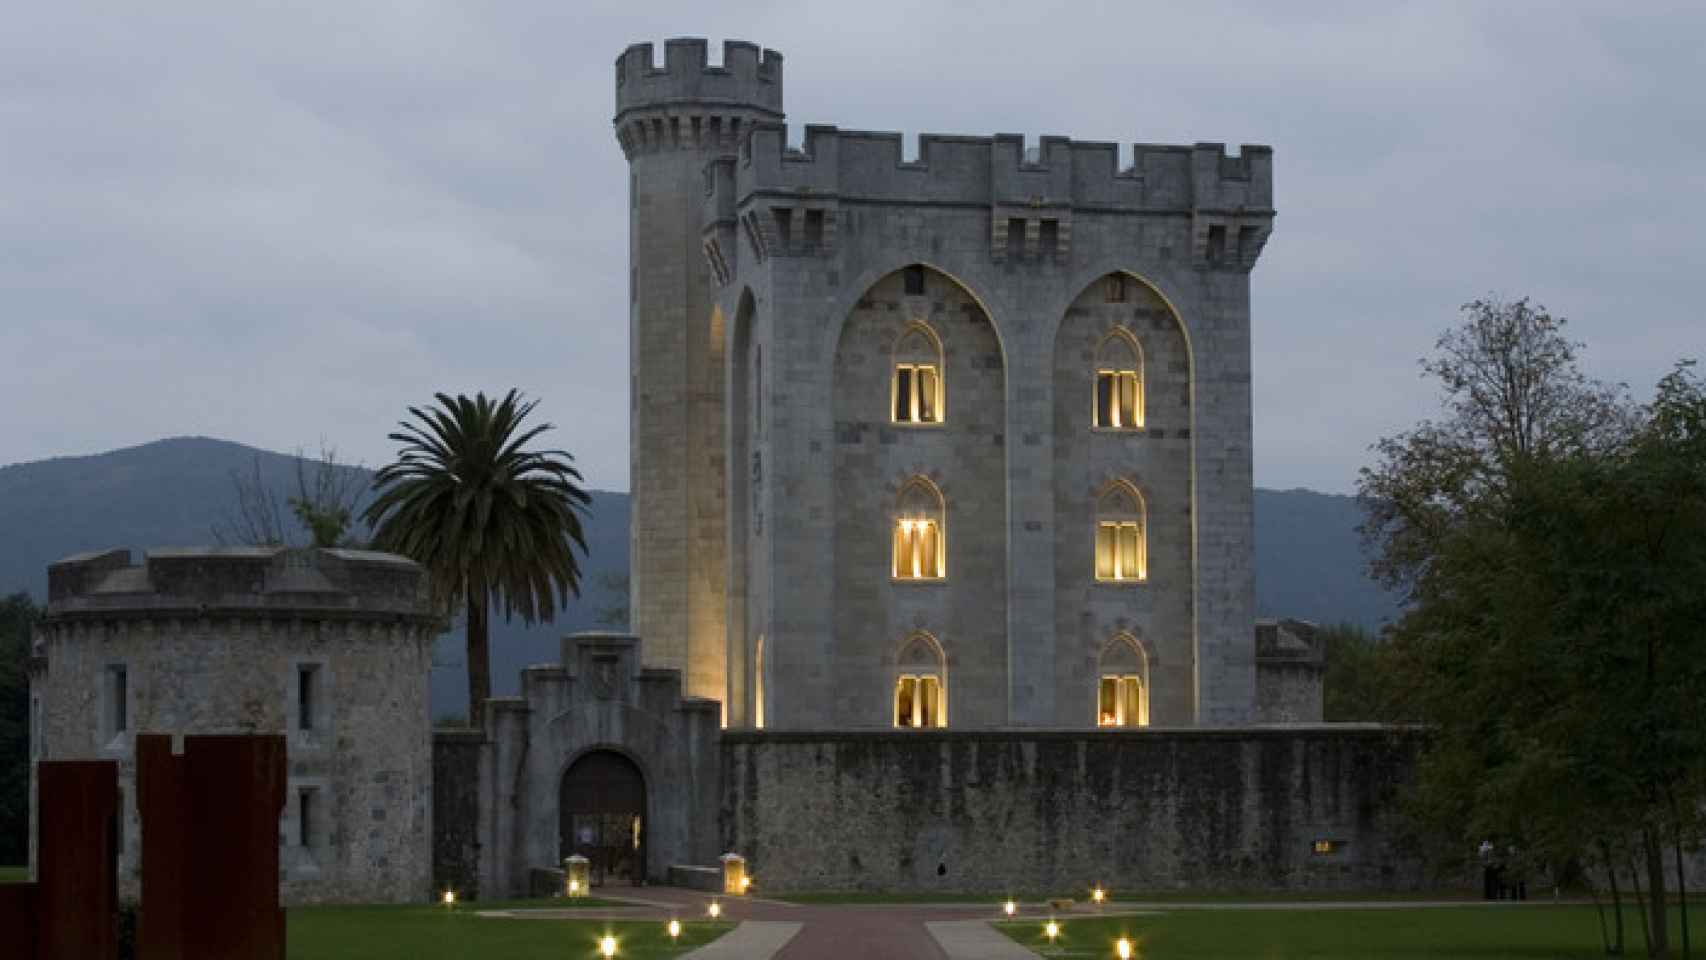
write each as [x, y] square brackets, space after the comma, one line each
[1050, 812]
[1028, 260]
[222, 641]
[506, 783]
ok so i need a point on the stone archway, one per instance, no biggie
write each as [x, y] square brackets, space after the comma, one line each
[602, 816]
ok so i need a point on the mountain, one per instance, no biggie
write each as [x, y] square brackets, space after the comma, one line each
[174, 492]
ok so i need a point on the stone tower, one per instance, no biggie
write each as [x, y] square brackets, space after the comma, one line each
[674, 123]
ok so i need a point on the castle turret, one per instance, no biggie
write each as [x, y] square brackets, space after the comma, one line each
[673, 123]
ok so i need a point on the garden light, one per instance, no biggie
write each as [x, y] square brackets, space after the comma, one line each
[1098, 894]
[674, 930]
[1123, 948]
[607, 947]
[1009, 908]
[1051, 930]
[715, 909]
[450, 898]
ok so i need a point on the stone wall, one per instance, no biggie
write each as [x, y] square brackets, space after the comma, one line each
[456, 758]
[214, 641]
[1034, 811]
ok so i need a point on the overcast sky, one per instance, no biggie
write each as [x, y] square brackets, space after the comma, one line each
[280, 225]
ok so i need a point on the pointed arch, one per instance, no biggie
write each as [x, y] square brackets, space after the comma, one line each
[1117, 403]
[1122, 682]
[920, 531]
[920, 682]
[1122, 534]
[917, 385]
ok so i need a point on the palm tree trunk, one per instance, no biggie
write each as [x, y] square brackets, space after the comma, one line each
[479, 658]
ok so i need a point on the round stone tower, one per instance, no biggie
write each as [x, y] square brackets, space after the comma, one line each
[674, 124]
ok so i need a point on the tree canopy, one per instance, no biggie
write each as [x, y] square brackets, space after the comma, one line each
[1552, 538]
[489, 519]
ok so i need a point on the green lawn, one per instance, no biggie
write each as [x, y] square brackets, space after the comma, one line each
[14, 874]
[434, 933]
[1540, 932]
[1129, 896]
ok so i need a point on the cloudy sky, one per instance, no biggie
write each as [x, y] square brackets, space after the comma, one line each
[279, 224]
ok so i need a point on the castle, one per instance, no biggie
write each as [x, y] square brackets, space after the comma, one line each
[941, 558]
[963, 441]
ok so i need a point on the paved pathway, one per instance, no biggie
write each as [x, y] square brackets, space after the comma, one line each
[975, 940]
[752, 940]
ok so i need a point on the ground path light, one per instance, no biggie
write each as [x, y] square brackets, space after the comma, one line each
[1123, 948]
[607, 947]
[674, 929]
[1009, 908]
[715, 909]
[450, 898]
[1051, 930]
[1098, 894]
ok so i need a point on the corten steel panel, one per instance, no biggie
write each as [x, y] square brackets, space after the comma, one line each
[161, 802]
[77, 863]
[235, 792]
[18, 919]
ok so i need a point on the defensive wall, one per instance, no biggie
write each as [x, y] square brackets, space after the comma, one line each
[1028, 811]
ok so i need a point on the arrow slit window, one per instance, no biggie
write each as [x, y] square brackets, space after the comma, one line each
[920, 542]
[917, 392]
[1119, 383]
[1122, 551]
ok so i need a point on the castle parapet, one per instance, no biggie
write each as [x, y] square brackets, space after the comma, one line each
[853, 165]
[282, 580]
[749, 77]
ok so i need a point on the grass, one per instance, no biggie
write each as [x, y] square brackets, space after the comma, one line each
[14, 874]
[1537, 932]
[430, 932]
[1129, 896]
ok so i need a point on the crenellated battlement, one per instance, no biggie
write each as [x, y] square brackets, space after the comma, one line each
[261, 580]
[1064, 173]
[749, 77]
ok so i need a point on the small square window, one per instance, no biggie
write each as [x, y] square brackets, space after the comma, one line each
[914, 281]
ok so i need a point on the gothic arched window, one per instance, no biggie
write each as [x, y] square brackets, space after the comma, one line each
[1122, 684]
[1119, 382]
[921, 687]
[1122, 551]
[920, 541]
[917, 391]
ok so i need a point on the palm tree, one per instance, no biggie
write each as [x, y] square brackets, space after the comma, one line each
[488, 519]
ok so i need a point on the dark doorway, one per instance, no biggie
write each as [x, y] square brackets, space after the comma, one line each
[601, 816]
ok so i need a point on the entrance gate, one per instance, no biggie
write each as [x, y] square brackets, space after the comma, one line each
[601, 816]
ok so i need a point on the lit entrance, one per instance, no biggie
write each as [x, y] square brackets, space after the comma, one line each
[601, 811]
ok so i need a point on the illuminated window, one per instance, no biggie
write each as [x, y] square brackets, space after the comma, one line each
[920, 547]
[1121, 550]
[1327, 848]
[1122, 688]
[920, 691]
[758, 682]
[1119, 383]
[1119, 702]
[917, 391]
